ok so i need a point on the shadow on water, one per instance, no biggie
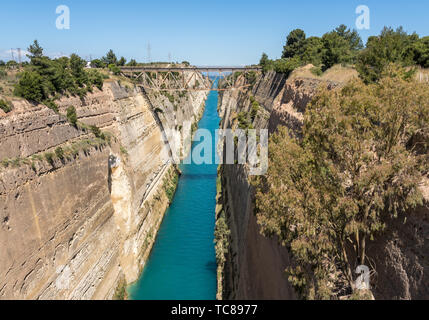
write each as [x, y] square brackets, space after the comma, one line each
[211, 266]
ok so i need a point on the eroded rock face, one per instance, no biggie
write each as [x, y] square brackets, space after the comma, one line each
[292, 102]
[72, 228]
[401, 257]
[255, 265]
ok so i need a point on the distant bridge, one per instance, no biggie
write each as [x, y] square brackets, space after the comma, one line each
[189, 78]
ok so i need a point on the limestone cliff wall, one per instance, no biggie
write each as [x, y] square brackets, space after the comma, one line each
[73, 226]
[255, 265]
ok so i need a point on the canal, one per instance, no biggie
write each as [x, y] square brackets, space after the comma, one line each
[182, 264]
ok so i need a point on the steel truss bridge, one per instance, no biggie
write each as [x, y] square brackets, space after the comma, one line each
[191, 78]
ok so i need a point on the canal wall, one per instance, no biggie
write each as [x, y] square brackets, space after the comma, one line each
[253, 266]
[80, 209]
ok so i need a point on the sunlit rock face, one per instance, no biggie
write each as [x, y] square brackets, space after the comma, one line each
[72, 228]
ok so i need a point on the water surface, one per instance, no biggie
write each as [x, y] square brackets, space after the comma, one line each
[182, 264]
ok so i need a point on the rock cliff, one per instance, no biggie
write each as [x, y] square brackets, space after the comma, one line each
[78, 214]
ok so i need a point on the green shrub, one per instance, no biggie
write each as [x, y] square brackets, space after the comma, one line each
[95, 78]
[51, 105]
[49, 156]
[72, 116]
[243, 121]
[114, 69]
[123, 150]
[171, 185]
[286, 66]
[169, 96]
[96, 131]
[5, 163]
[97, 63]
[254, 110]
[121, 290]
[221, 239]
[5, 106]
[59, 152]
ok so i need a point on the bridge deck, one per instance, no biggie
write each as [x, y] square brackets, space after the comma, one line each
[185, 78]
[180, 69]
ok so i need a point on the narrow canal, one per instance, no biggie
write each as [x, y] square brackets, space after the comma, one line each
[182, 264]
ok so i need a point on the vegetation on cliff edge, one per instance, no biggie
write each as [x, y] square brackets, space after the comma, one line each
[359, 164]
[344, 46]
[44, 79]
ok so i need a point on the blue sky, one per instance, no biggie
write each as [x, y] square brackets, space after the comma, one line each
[219, 32]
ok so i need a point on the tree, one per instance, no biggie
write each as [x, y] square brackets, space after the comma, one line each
[77, 66]
[295, 41]
[132, 63]
[312, 51]
[45, 79]
[391, 46]
[336, 49]
[419, 52]
[36, 50]
[122, 62]
[328, 194]
[110, 58]
[11, 64]
[264, 62]
[97, 63]
[352, 37]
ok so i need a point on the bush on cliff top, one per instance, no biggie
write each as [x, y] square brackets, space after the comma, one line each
[391, 46]
[45, 78]
[344, 46]
[357, 166]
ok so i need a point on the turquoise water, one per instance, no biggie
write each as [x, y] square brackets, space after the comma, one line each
[182, 264]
